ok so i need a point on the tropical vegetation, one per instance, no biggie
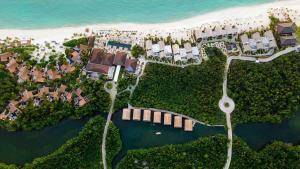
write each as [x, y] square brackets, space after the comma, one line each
[83, 151]
[265, 91]
[194, 91]
[207, 152]
[76, 42]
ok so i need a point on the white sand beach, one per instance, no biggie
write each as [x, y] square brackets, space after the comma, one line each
[244, 18]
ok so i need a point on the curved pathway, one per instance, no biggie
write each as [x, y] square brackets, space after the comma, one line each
[113, 93]
[226, 104]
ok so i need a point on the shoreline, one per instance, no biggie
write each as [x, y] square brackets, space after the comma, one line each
[238, 15]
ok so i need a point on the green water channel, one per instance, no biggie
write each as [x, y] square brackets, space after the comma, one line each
[23, 146]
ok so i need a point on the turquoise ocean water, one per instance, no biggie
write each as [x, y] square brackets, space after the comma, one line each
[29, 14]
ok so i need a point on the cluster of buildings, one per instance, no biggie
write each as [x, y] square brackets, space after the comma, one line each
[173, 51]
[285, 37]
[158, 117]
[34, 74]
[257, 42]
[217, 31]
[38, 96]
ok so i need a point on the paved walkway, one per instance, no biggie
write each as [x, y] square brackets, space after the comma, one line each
[228, 108]
[113, 93]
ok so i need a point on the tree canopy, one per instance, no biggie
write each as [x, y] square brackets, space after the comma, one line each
[265, 91]
[194, 91]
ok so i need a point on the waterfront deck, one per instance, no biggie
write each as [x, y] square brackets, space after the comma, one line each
[137, 114]
[188, 125]
[126, 114]
[177, 122]
[147, 116]
[168, 119]
[159, 117]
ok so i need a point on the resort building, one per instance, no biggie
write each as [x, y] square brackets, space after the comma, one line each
[286, 31]
[100, 63]
[217, 31]
[258, 43]
[131, 65]
[176, 52]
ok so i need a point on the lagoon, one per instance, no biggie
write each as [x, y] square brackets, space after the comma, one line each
[33, 14]
[23, 146]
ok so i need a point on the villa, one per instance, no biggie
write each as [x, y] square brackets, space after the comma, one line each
[217, 31]
[287, 31]
[23, 74]
[4, 57]
[258, 43]
[27, 95]
[176, 52]
[53, 74]
[12, 65]
[38, 76]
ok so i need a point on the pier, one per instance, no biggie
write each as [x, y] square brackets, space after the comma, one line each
[159, 117]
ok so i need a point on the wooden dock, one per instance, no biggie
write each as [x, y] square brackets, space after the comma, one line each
[126, 114]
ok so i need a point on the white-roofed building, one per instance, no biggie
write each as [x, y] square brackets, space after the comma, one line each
[148, 45]
[188, 47]
[176, 52]
[183, 54]
[272, 42]
[256, 42]
[195, 51]
[155, 50]
[168, 51]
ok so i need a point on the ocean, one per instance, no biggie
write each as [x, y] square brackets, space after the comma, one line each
[33, 14]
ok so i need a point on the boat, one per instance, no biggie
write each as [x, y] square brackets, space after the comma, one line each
[158, 133]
